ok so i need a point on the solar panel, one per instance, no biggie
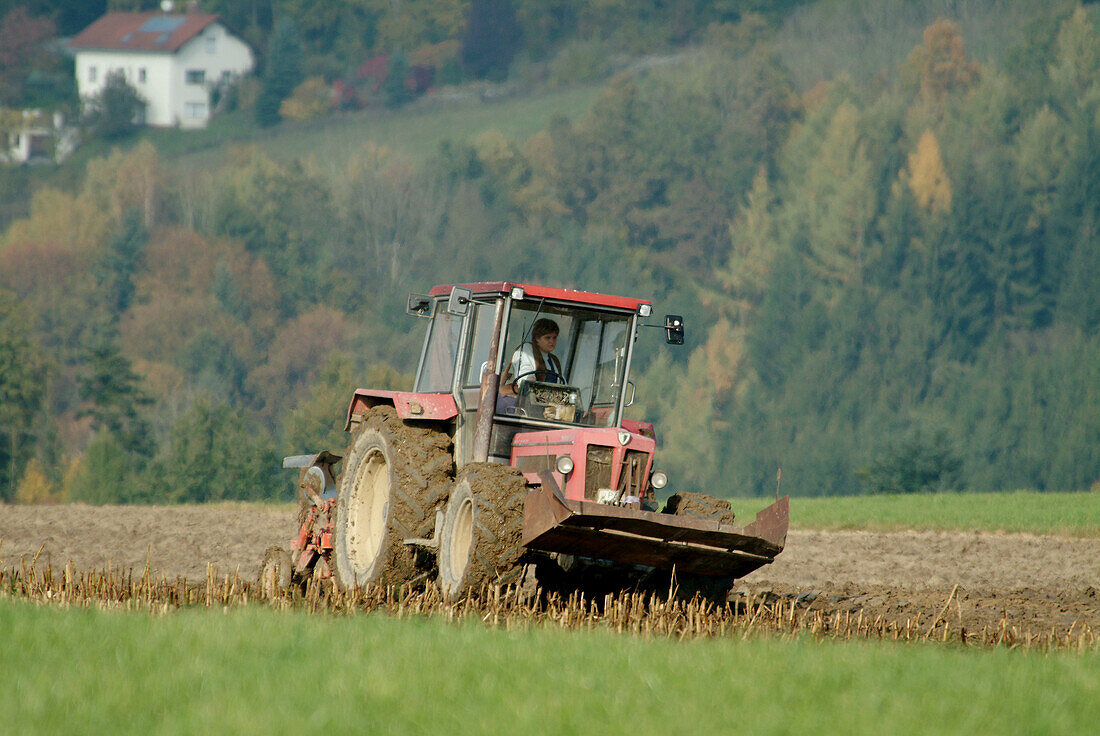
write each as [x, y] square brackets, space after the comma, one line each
[161, 24]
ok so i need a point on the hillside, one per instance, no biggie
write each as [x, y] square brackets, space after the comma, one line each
[415, 132]
[891, 271]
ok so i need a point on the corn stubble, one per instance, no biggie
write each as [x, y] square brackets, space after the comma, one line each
[655, 615]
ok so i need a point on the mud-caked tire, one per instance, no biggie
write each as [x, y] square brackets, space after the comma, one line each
[480, 541]
[275, 570]
[396, 475]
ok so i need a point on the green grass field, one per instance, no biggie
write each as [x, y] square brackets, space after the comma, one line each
[1074, 514]
[415, 132]
[254, 670]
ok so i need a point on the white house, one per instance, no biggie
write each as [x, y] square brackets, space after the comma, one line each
[174, 61]
[33, 136]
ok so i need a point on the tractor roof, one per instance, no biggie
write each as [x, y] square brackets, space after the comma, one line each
[547, 292]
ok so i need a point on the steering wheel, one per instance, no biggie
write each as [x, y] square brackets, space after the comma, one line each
[551, 376]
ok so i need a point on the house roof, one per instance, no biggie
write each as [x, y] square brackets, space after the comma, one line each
[153, 31]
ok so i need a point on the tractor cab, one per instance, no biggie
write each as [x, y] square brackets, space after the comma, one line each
[482, 348]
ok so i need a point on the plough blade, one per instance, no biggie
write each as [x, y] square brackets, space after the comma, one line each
[554, 524]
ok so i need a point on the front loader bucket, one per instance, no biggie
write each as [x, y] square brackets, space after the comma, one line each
[552, 523]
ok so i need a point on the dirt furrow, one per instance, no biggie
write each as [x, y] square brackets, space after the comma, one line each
[974, 579]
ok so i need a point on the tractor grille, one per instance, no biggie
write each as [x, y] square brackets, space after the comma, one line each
[633, 470]
[597, 473]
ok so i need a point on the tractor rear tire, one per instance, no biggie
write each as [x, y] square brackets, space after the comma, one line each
[396, 475]
[480, 542]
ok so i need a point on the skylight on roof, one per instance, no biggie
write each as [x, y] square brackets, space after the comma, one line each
[161, 24]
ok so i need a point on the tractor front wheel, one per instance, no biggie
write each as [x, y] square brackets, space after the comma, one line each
[480, 541]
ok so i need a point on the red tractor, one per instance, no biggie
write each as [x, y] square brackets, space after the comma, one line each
[510, 455]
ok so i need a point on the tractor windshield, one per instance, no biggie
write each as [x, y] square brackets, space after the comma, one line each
[564, 364]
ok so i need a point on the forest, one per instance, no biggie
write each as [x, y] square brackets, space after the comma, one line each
[881, 220]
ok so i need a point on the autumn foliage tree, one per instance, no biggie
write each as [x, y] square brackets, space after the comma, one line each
[310, 100]
[927, 178]
[35, 486]
[941, 61]
[21, 50]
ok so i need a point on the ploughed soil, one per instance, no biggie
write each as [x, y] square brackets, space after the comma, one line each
[974, 579]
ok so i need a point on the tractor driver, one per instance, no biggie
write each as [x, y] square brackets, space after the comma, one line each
[534, 360]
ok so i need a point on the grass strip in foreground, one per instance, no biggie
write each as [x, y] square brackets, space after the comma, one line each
[256, 670]
[671, 613]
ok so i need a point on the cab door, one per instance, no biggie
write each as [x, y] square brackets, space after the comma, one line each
[474, 361]
[441, 352]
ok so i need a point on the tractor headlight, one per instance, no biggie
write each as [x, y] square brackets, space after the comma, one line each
[659, 479]
[564, 464]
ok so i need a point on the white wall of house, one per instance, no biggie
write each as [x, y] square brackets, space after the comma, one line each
[18, 148]
[176, 87]
[37, 138]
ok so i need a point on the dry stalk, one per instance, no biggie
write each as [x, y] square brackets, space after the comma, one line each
[651, 615]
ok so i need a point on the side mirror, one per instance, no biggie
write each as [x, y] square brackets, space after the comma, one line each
[674, 329]
[459, 302]
[420, 305]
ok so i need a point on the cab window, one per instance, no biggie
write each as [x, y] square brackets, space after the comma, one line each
[437, 373]
[477, 355]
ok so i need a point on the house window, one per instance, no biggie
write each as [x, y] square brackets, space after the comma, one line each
[91, 74]
[194, 110]
[211, 43]
[196, 76]
[141, 75]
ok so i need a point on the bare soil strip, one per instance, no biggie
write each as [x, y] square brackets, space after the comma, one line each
[969, 579]
[1035, 583]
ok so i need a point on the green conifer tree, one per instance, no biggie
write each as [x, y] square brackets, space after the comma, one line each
[282, 72]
